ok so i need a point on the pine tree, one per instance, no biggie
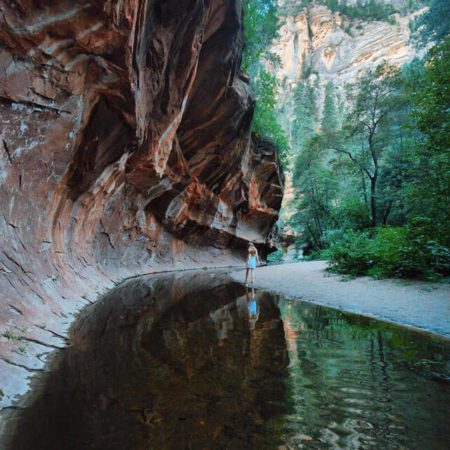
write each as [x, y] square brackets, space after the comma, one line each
[329, 124]
[305, 114]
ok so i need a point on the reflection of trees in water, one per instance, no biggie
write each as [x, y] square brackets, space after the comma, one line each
[173, 363]
[164, 364]
[353, 381]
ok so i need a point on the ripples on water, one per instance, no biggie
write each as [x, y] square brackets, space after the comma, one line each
[198, 362]
[359, 383]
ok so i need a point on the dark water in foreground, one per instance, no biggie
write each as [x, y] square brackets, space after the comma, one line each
[196, 362]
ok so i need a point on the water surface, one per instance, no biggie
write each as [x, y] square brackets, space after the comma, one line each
[199, 362]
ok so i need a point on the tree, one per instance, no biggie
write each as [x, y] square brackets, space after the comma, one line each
[265, 122]
[260, 28]
[304, 114]
[388, 164]
[373, 99]
[315, 189]
[429, 186]
[330, 114]
[434, 25]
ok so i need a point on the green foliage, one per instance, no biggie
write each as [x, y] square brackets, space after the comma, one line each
[265, 122]
[365, 10]
[330, 115]
[350, 254]
[431, 100]
[352, 213]
[10, 335]
[260, 27]
[388, 252]
[434, 25]
[428, 190]
[370, 10]
[372, 174]
[359, 149]
[315, 187]
[368, 129]
[276, 257]
[22, 350]
[372, 194]
[304, 114]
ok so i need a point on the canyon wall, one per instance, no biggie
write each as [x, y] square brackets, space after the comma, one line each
[125, 147]
[318, 46]
[333, 47]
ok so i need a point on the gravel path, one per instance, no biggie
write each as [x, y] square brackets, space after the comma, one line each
[412, 303]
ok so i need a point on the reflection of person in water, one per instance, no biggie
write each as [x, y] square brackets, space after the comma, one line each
[253, 308]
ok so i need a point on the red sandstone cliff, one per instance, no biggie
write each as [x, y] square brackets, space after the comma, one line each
[125, 147]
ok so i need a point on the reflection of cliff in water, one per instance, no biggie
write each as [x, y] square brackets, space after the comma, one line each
[359, 383]
[198, 362]
[164, 363]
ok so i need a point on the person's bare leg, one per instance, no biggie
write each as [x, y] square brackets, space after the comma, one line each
[246, 275]
[252, 274]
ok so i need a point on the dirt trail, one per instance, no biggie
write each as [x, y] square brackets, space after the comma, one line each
[416, 304]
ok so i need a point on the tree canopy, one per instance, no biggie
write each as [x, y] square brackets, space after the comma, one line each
[372, 187]
[260, 28]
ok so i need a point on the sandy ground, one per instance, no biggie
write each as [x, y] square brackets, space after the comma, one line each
[412, 303]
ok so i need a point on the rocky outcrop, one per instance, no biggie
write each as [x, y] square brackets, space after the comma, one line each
[331, 46]
[317, 46]
[125, 147]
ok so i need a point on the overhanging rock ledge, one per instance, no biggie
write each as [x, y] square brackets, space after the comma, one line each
[125, 147]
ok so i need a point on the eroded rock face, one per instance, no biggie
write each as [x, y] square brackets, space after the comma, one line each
[125, 147]
[333, 47]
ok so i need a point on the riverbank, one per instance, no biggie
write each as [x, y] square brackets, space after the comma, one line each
[417, 304]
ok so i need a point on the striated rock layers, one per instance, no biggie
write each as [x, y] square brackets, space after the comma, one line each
[125, 147]
[332, 47]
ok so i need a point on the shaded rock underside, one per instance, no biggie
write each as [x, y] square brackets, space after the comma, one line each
[125, 147]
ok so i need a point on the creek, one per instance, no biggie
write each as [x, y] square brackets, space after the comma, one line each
[197, 361]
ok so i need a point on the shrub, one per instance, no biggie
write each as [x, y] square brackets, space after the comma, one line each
[351, 254]
[401, 252]
[397, 255]
[276, 257]
[353, 214]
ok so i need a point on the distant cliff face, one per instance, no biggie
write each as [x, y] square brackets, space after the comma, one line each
[336, 48]
[125, 147]
[319, 44]
[316, 46]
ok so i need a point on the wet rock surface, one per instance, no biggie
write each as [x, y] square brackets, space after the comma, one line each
[125, 148]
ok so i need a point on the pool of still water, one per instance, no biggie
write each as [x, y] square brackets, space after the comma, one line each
[199, 362]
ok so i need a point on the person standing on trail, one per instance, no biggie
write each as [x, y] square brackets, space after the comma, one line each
[252, 262]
